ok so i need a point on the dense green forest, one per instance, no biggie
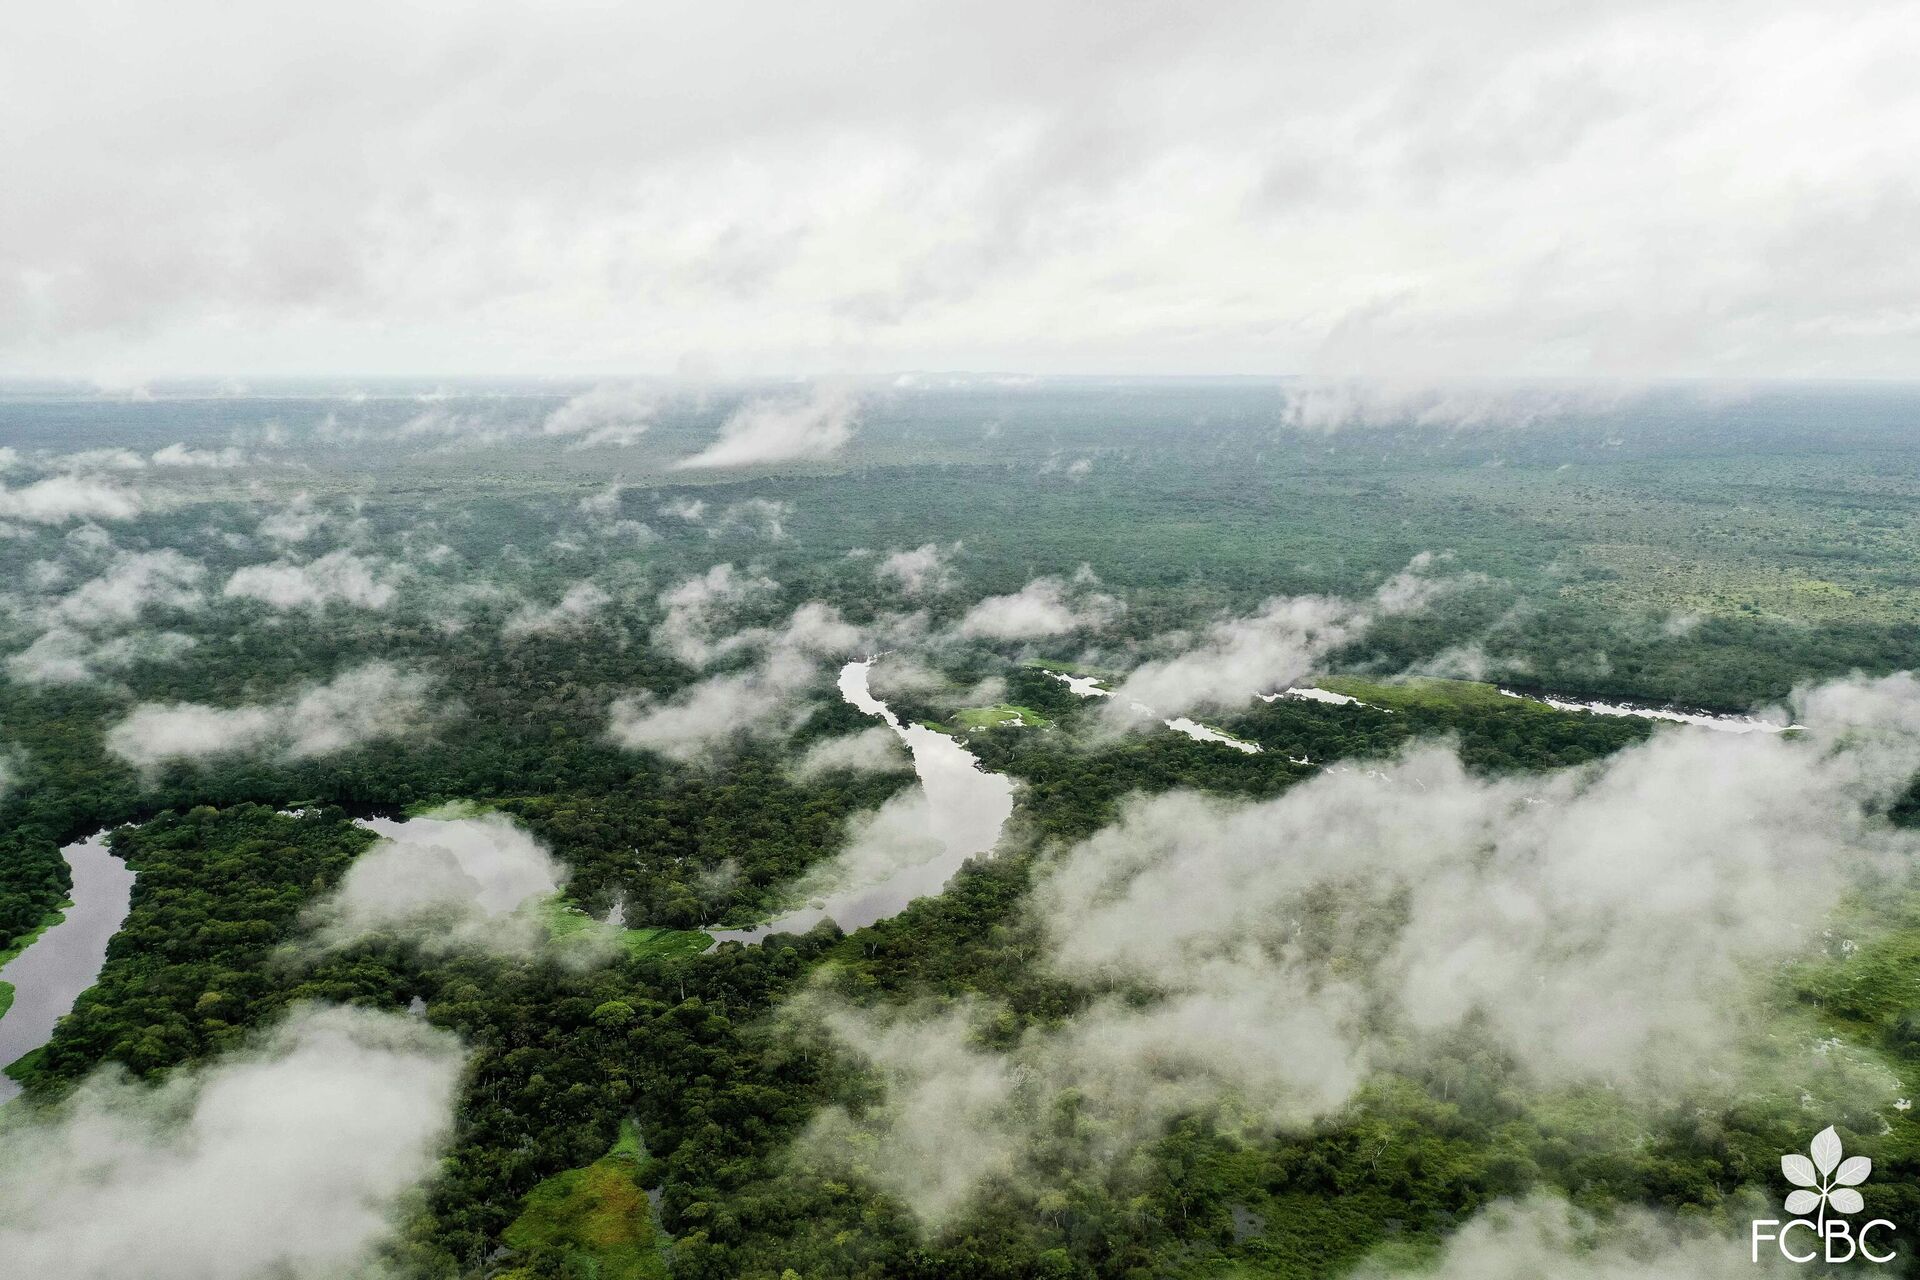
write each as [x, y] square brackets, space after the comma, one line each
[655, 1111]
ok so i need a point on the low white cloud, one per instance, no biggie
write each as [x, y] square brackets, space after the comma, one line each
[925, 570]
[460, 882]
[605, 502]
[762, 517]
[80, 643]
[697, 607]
[582, 603]
[764, 699]
[58, 499]
[363, 704]
[294, 523]
[691, 510]
[338, 577]
[130, 584]
[1236, 659]
[1609, 924]
[875, 750]
[1547, 1237]
[114, 459]
[65, 656]
[777, 429]
[179, 455]
[1045, 607]
[1333, 404]
[615, 414]
[287, 1159]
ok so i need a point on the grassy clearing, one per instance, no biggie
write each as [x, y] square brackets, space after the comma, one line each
[590, 1222]
[566, 922]
[1428, 692]
[23, 1068]
[26, 939]
[994, 716]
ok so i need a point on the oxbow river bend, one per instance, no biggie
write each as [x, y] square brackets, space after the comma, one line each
[965, 809]
[65, 960]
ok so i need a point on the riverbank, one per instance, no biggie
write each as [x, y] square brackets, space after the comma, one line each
[64, 957]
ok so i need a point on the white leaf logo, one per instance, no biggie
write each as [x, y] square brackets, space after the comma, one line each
[1822, 1191]
[1854, 1171]
[1826, 1149]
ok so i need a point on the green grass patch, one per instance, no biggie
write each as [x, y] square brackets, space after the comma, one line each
[1428, 692]
[994, 716]
[567, 922]
[6, 998]
[26, 939]
[590, 1222]
[22, 1069]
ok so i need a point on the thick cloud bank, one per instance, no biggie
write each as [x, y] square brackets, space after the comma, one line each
[366, 703]
[1622, 189]
[285, 1160]
[1600, 924]
[457, 882]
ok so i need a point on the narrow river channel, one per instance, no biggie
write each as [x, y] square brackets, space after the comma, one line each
[65, 960]
[966, 807]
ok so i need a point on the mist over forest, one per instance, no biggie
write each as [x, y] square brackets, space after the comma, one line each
[1462, 829]
[1003, 641]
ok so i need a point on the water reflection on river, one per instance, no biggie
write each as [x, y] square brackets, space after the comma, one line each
[964, 809]
[65, 960]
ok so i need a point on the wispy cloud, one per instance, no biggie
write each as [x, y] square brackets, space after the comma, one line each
[922, 571]
[363, 704]
[339, 577]
[581, 604]
[765, 698]
[1045, 607]
[1235, 659]
[58, 499]
[778, 429]
[616, 414]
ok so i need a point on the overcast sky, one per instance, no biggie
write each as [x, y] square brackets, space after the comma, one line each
[1445, 186]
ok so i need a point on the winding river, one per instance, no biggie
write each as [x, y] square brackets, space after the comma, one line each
[965, 808]
[65, 960]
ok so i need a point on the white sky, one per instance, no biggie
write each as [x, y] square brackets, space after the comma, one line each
[1484, 187]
